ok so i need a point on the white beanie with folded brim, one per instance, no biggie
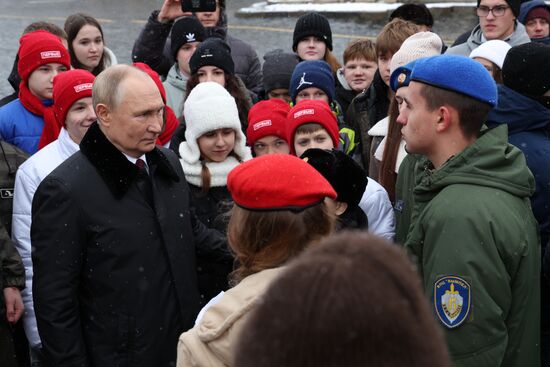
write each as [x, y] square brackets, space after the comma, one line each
[494, 51]
[419, 45]
[209, 107]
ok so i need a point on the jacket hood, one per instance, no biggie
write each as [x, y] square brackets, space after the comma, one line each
[519, 36]
[527, 6]
[176, 79]
[519, 112]
[490, 161]
[342, 79]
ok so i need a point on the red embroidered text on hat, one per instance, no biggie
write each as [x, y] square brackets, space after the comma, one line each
[312, 111]
[267, 118]
[40, 48]
[277, 182]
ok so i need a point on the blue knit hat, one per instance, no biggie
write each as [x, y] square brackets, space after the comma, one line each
[401, 77]
[308, 74]
[458, 74]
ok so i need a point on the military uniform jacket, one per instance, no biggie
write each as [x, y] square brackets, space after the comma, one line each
[476, 243]
[114, 275]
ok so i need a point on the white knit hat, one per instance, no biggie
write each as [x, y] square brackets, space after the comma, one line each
[209, 107]
[494, 51]
[421, 44]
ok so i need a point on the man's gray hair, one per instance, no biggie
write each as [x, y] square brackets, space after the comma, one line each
[106, 89]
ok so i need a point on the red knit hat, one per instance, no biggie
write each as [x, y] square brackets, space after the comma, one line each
[277, 182]
[69, 87]
[538, 12]
[40, 48]
[267, 118]
[312, 111]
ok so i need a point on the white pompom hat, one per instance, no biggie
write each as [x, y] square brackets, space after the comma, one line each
[209, 107]
[494, 51]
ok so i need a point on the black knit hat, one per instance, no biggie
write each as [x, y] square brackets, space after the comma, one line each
[312, 24]
[345, 175]
[416, 13]
[212, 52]
[277, 69]
[515, 6]
[186, 30]
[523, 69]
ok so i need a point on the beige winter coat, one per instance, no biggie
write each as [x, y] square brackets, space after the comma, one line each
[211, 342]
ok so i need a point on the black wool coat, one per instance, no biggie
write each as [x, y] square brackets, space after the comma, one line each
[114, 277]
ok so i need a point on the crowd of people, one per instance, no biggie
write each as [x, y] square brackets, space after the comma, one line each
[198, 207]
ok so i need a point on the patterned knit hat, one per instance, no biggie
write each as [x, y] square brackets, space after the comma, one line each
[314, 73]
[209, 107]
[186, 30]
[312, 24]
[212, 52]
[267, 118]
[40, 48]
[421, 44]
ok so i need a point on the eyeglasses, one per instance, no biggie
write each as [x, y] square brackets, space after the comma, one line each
[498, 11]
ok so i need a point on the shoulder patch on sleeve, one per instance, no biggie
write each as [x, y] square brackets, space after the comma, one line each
[452, 300]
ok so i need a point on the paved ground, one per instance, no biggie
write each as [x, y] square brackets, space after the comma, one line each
[123, 19]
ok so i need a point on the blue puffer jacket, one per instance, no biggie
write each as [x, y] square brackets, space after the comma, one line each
[20, 127]
[529, 129]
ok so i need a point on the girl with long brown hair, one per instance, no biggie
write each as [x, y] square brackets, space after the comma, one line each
[281, 208]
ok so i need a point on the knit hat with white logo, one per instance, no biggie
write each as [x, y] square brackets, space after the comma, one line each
[186, 30]
[312, 74]
[39, 48]
[212, 52]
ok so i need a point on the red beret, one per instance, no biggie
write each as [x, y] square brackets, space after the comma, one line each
[277, 182]
[312, 111]
[40, 48]
[267, 118]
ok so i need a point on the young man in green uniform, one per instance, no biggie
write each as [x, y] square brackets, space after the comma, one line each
[473, 233]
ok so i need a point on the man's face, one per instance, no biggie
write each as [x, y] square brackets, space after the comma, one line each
[135, 124]
[496, 28]
[41, 79]
[311, 48]
[359, 73]
[270, 144]
[209, 19]
[184, 55]
[537, 28]
[280, 93]
[79, 118]
[384, 61]
[318, 139]
[418, 129]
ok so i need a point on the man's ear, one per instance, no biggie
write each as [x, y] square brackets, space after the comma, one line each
[445, 114]
[341, 207]
[103, 114]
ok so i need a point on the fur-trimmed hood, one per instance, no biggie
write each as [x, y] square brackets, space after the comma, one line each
[111, 164]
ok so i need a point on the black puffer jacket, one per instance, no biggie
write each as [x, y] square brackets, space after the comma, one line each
[114, 276]
[148, 48]
[211, 208]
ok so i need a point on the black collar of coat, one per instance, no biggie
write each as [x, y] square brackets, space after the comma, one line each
[115, 169]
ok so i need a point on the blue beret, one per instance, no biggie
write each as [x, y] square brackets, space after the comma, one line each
[458, 74]
[401, 77]
[314, 73]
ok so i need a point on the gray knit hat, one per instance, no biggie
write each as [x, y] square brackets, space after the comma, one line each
[277, 69]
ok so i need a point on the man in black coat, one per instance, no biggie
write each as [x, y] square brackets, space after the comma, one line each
[113, 240]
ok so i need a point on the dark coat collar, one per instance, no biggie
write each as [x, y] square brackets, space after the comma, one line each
[115, 169]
